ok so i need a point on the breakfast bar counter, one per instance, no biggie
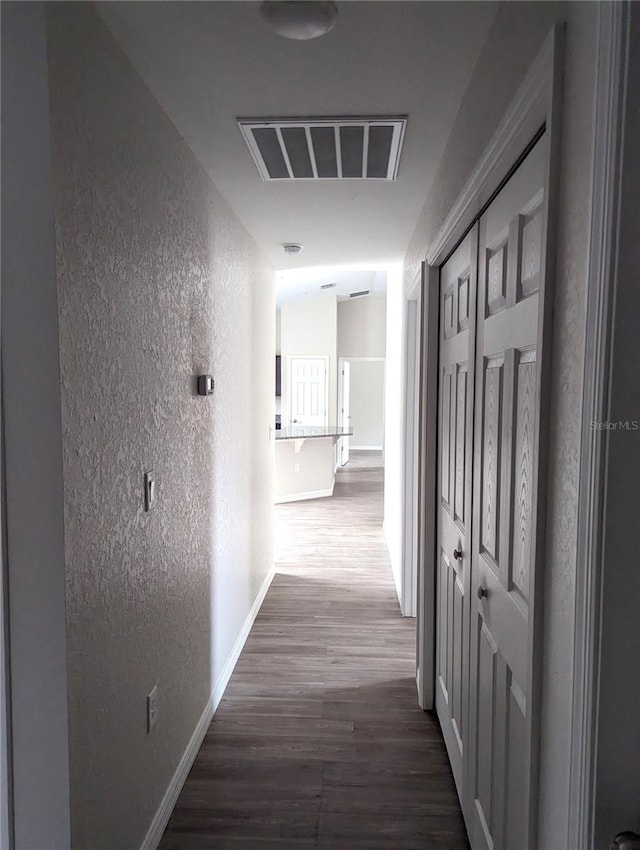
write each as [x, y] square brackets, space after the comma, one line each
[306, 461]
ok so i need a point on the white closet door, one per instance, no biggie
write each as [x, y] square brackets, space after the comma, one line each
[507, 423]
[455, 452]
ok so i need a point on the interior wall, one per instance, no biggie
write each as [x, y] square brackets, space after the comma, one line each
[366, 403]
[309, 471]
[515, 37]
[157, 282]
[32, 444]
[309, 328]
[278, 329]
[393, 524]
[362, 327]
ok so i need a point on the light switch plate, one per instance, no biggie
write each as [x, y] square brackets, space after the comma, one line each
[150, 494]
[152, 708]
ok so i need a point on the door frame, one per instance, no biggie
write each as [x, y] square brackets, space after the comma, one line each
[341, 416]
[592, 582]
[427, 487]
[6, 772]
[536, 105]
[32, 462]
[341, 361]
[413, 307]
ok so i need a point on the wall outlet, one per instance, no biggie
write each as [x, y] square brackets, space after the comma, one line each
[296, 467]
[152, 708]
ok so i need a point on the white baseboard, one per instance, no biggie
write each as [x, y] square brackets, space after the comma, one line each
[396, 569]
[309, 494]
[227, 670]
[365, 448]
[162, 815]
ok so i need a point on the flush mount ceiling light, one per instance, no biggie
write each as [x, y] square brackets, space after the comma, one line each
[292, 248]
[301, 20]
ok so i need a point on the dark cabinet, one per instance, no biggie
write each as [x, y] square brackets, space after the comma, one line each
[278, 374]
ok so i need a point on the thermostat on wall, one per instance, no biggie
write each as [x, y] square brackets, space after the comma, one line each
[205, 384]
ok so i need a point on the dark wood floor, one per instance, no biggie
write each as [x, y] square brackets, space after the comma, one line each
[319, 741]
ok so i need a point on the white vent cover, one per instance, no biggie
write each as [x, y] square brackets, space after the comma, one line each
[325, 148]
[359, 294]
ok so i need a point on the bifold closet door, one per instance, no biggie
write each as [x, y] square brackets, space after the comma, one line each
[506, 447]
[455, 453]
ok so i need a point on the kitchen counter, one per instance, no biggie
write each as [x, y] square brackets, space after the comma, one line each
[306, 461]
[310, 432]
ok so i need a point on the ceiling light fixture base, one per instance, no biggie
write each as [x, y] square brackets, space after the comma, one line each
[301, 20]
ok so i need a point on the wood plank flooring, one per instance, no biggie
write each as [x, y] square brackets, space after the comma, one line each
[319, 741]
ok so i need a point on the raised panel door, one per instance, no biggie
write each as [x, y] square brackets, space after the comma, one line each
[507, 422]
[455, 450]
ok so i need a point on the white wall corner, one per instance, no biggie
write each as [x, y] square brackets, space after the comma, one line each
[394, 437]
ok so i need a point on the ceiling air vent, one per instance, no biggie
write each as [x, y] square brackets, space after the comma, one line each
[327, 286]
[325, 148]
[359, 294]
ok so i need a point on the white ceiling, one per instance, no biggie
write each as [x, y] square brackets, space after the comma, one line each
[209, 63]
[308, 282]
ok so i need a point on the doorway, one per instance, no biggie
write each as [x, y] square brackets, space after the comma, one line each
[488, 537]
[361, 405]
[486, 373]
[410, 554]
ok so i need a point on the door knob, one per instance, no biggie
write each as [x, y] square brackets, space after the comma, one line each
[626, 841]
[482, 592]
[457, 554]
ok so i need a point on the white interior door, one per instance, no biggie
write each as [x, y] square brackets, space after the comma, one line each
[345, 418]
[507, 422]
[308, 390]
[455, 404]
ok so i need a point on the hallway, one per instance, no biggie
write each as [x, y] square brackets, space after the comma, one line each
[319, 741]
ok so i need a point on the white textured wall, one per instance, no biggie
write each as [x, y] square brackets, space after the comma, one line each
[308, 327]
[362, 327]
[394, 423]
[366, 403]
[515, 37]
[157, 282]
